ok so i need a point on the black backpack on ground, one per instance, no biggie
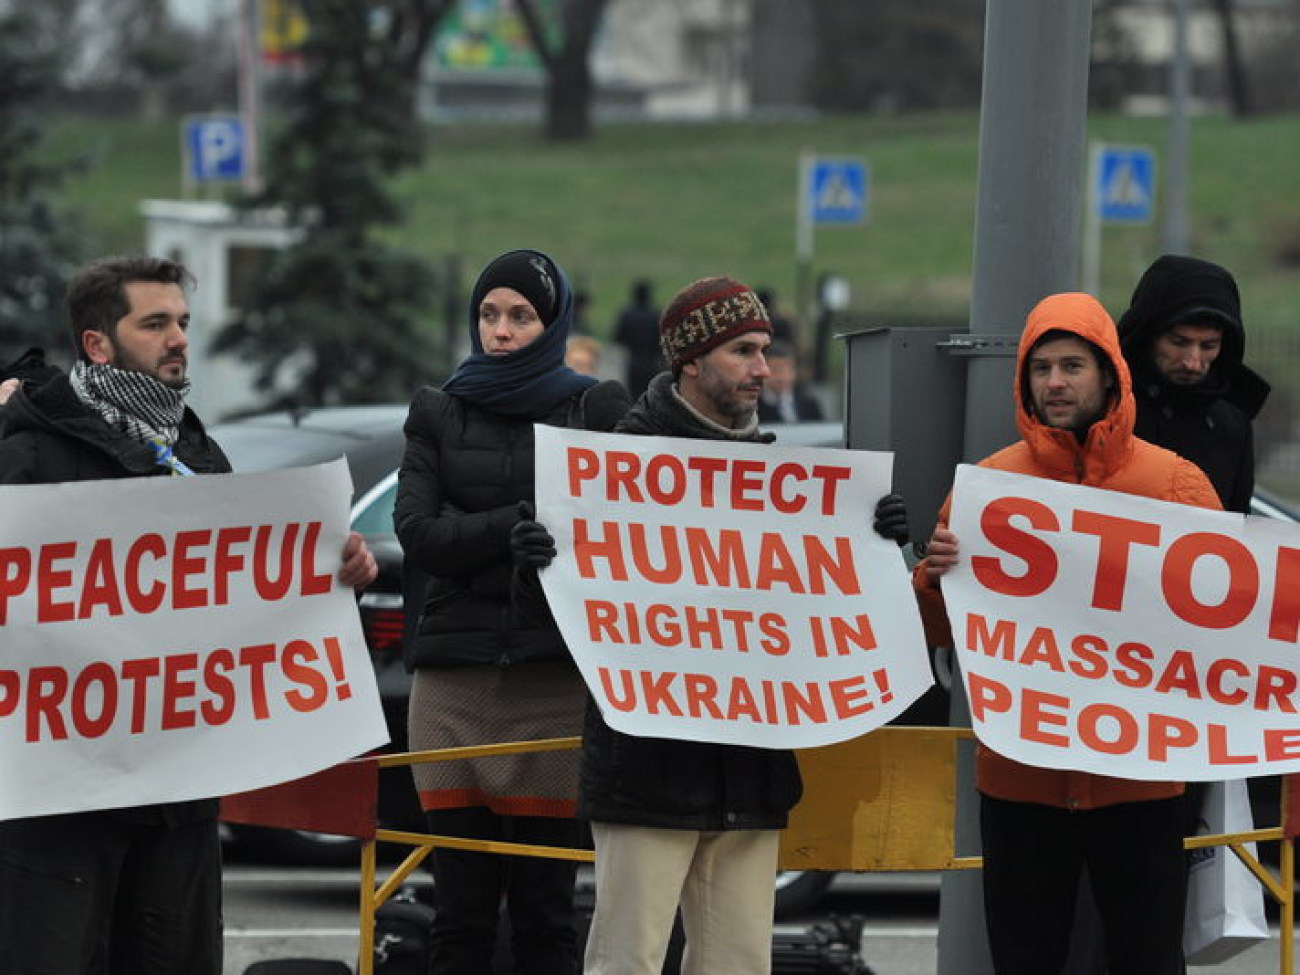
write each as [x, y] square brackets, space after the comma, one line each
[830, 947]
[403, 928]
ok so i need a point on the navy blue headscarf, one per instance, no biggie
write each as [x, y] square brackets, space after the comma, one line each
[529, 382]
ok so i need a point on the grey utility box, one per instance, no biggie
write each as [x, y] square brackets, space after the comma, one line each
[906, 392]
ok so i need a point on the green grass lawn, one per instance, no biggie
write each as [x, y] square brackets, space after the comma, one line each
[676, 202]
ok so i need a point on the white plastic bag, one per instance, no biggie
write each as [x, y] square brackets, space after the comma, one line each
[1225, 903]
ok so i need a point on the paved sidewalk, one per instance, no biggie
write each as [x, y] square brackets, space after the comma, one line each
[904, 948]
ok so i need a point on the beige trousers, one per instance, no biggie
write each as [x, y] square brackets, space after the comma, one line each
[723, 881]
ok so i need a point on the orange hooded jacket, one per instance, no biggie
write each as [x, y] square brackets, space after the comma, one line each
[1109, 457]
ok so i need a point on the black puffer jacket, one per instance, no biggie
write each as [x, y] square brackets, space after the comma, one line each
[51, 436]
[1209, 423]
[675, 784]
[463, 475]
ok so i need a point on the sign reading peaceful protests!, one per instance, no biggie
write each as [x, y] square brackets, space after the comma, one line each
[171, 638]
[1125, 636]
[728, 592]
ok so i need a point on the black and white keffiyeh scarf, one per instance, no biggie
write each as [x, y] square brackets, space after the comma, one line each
[141, 406]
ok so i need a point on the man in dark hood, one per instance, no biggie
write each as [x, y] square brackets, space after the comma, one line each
[1184, 341]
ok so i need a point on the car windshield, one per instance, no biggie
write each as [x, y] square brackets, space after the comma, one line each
[264, 448]
[373, 514]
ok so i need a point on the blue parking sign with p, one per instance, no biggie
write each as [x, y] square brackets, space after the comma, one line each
[1125, 185]
[214, 148]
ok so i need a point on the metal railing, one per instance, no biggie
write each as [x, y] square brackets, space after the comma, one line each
[895, 770]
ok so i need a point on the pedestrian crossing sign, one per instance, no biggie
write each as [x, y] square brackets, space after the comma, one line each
[1124, 184]
[837, 191]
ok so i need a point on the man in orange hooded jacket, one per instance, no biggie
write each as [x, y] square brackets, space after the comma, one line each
[1041, 827]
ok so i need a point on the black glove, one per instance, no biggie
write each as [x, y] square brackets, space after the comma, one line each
[531, 544]
[891, 518]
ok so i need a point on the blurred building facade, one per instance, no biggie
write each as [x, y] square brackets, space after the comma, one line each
[717, 59]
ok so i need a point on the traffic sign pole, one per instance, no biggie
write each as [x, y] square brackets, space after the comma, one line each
[804, 236]
[831, 190]
[1092, 226]
[249, 102]
[1121, 189]
[1176, 231]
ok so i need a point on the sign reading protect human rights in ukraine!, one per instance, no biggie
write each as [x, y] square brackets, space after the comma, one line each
[729, 592]
[1121, 635]
[171, 638]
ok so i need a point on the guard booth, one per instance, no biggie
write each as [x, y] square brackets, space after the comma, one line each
[225, 248]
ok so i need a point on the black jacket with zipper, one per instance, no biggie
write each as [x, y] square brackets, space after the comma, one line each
[463, 475]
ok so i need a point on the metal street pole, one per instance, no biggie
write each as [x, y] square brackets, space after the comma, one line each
[1033, 139]
[804, 244]
[1176, 233]
[249, 109]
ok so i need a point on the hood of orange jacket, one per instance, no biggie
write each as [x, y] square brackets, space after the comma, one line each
[1107, 444]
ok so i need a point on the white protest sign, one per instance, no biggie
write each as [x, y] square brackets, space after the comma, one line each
[1125, 636]
[729, 592]
[171, 638]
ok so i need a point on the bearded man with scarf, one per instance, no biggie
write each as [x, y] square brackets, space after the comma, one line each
[489, 662]
[131, 891]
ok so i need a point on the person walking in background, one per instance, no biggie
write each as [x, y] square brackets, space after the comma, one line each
[784, 327]
[1184, 341]
[581, 313]
[637, 331]
[1041, 827]
[783, 399]
[488, 670]
[132, 891]
[683, 821]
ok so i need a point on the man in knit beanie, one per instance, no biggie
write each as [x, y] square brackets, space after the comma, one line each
[713, 335]
[676, 822]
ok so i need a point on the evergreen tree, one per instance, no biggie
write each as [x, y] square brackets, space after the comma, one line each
[39, 245]
[341, 311]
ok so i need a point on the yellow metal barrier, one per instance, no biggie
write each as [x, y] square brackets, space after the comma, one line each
[884, 801]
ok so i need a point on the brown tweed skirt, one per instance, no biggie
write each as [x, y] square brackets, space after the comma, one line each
[484, 705]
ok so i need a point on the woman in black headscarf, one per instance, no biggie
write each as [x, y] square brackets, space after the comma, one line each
[488, 669]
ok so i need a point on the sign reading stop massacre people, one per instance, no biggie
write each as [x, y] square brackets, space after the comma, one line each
[1125, 636]
[729, 592]
[170, 638]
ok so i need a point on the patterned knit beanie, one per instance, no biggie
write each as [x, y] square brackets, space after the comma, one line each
[704, 315]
